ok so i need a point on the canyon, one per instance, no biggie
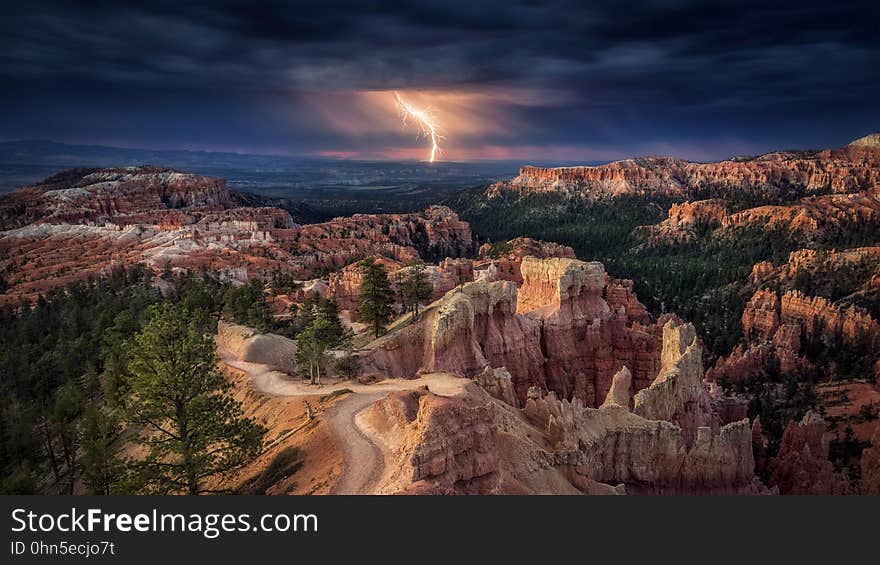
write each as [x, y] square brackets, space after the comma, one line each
[529, 370]
[662, 433]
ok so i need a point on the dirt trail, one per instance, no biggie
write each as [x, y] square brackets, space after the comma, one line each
[363, 460]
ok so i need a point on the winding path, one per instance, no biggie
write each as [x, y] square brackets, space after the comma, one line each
[363, 460]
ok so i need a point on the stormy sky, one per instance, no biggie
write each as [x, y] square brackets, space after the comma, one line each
[529, 81]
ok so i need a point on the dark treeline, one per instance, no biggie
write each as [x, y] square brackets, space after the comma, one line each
[66, 369]
[99, 370]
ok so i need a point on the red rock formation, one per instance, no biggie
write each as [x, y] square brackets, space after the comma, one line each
[812, 219]
[619, 294]
[849, 169]
[470, 443]
[773, 327]
[584, 340]
[161, 217]
[760, 319]
[820, 264]
[612, 445]
[557, 332]
[502, 262]
[442, 444]
[96, 195]
[802, 465]
[687, 219]
[498, 384]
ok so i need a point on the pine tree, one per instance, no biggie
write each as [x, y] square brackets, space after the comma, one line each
[376, 296]
[193, 428]
[102, 468]
[65, 420]
[416, 287]
[323, 333]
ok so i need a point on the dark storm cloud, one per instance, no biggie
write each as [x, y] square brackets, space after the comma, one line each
[702, 78]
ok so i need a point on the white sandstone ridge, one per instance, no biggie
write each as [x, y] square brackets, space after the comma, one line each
[870, 140]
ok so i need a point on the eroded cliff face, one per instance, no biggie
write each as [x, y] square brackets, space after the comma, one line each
[89, 196]
[585, 340]
[437, 444]
[477, 443]
[556, 332]
[430, 235]
[612, 445]
[802, 465]
[774, 327]
[502, 262]
[82, 224]
[844, 170]
[463, 333]
[672, 437]
[811, 219]
[678, 394]
[820, 265]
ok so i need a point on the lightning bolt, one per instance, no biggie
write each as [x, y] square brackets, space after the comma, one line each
[425, 121]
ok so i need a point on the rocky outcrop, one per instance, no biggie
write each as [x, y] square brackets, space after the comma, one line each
[774, 327]
[802, 465]
[810, 220]
[871, 140]
[499, 384]
[688, 220]
[678, 394]
[556, 332]
[502, 261]
[471, 328]
[818, 315]
[90, 196]
[478, 327]
[850, 169]
[431, 235]
[241, 343]
[618, 394]
[819, 267]
[761, 315]
[563, 288]
[814, 218]
[438, 444]
[612, 445]
[584, 340]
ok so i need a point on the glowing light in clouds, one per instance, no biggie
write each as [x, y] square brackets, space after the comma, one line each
[424, 120]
